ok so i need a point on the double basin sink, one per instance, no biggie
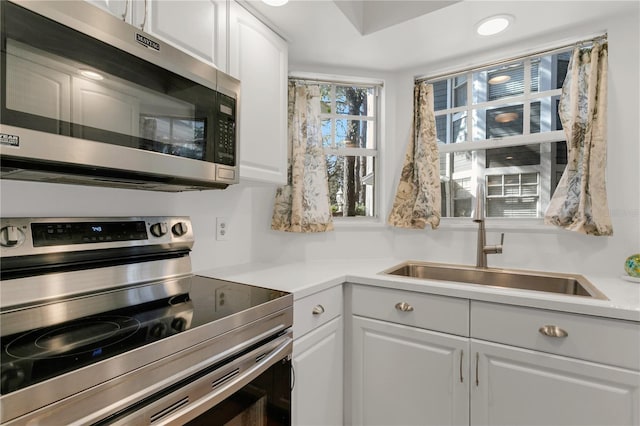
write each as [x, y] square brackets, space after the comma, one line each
[568, 284]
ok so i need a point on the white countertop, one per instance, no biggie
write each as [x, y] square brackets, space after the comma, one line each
[305, 278]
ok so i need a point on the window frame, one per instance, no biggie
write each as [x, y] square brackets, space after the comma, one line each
[480, 145]
[375, 153]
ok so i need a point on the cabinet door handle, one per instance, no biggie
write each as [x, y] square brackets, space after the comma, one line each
[317, 310]
[404, 307]
[477, 362]
[461, 356]
[552, 331]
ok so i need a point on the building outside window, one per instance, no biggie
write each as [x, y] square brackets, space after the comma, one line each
[349, 135]
[499, 125]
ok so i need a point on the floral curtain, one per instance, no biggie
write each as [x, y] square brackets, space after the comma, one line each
[417, 202]
[303, 204]
[580, 202]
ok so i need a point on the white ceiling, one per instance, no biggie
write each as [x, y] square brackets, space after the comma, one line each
[395, 35]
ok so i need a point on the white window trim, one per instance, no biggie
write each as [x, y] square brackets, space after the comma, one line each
[379, 219]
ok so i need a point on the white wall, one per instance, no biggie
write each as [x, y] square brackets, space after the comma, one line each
[249, 207]
[537, 247]
[28, 199]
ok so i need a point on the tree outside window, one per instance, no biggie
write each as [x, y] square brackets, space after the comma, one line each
[349, 127]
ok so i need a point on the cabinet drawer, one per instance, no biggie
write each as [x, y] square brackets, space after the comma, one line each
[317, 309]
[604, 340]
[438, 313]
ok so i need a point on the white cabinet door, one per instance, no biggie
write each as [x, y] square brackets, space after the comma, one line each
[317, 363]
[198, 27]
[524, 387]
[408, 376]
[258, 58]
[131, 11]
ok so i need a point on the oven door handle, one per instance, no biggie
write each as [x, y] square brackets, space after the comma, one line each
[181, 406]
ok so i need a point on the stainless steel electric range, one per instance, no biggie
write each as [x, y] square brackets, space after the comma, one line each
[103, 322]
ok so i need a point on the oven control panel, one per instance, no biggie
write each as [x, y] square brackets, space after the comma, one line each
[26, 236]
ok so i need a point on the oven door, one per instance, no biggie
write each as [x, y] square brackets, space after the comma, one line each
[252, 390]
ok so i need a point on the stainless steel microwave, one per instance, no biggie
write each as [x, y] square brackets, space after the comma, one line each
[88, 99]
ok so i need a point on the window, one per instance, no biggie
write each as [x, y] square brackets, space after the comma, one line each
[349, 137]
[500, 125]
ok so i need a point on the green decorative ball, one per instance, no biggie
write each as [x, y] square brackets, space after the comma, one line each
[632, 265]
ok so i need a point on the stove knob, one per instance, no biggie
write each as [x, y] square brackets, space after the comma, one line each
[179, 229]
[179, 324]
[11, 236]
[159, 229]
[158, 330]
[11, 378]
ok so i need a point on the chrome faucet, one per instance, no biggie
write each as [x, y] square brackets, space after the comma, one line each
[478, 216]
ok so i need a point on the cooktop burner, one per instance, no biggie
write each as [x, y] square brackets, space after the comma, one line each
[90, 335]
[35, 355]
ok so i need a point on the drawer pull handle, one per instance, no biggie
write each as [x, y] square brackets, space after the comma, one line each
[404, 307]
[317, 310]
[553, 331]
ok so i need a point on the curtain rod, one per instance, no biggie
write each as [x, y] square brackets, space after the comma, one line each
[339, 82]
[512, 59]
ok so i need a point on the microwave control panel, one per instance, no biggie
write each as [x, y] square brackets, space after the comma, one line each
[225, 131]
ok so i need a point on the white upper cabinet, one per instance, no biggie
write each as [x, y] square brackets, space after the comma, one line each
[131, 11]
[258, 58]
[197, 27]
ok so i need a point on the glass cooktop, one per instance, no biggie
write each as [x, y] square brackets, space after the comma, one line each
[129, 318]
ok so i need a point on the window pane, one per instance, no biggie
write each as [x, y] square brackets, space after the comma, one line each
[548, 72]
[460, 91]
[462, 197]
[462, 161]
[525, 155]
[499, 83]
[544, 115]
[498, 122]
[327, 140]
[459, 131]
[440, 95]
[351, 185]
[355, 134]
[355, 100]
[441, 129]
[325, 99]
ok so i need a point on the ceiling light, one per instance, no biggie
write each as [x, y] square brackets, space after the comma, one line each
[499, 79]
[493, 25]
[506, 117]
[275, 2]
[91, 74]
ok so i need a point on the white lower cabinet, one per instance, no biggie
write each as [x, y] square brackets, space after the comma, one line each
[317, 362]
[584, 373]
[412, 363]
[408, 376]
[523, 387]
[318, 331]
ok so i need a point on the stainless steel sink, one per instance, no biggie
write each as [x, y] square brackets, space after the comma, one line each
[570, 284]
